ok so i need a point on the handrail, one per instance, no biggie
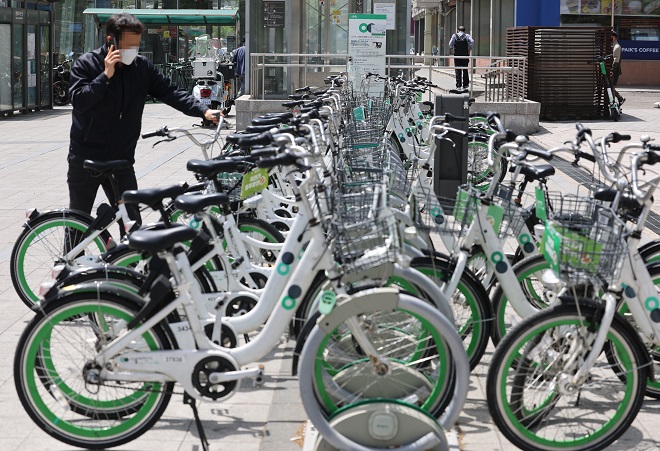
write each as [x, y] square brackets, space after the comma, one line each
[269, 72]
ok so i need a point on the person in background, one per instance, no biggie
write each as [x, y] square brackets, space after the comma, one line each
[616, 66]
[239, 61]
[461, 44]
[434, 52]
[108, 90]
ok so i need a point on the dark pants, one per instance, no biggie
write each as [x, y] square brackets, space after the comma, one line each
[462, 75]
[241, 86]
[616, 71]
[83, 187]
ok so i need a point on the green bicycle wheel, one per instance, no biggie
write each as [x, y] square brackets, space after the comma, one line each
[530, 397]
[55, 352]
[42, 244]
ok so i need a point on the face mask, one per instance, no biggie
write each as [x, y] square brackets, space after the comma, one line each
[128, 55]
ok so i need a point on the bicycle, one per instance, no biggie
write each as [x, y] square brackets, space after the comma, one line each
[561, 347]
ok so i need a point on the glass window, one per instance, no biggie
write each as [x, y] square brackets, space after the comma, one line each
[5, 68]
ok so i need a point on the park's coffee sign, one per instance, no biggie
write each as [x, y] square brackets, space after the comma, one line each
[640, 50]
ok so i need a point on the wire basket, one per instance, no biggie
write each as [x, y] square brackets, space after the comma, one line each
[442, 215]
[514, 214]
[230, 184]
[583, 240]
[361, 164]
[402, 175]
[362, 233]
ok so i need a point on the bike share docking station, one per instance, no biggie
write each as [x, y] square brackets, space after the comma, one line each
[385, 425]
[451, 155]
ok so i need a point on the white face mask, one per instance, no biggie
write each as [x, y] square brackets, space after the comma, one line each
[128, 55]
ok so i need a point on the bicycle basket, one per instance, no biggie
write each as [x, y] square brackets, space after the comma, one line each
[362, 234]
[230, 183]
[514, 215]
[442, 215]
[583, 240]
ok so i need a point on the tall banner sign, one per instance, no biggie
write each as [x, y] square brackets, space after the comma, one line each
[366, 50]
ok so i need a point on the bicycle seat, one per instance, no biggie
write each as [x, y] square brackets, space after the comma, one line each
[153, 241]
[298, 96]
[194, 203]
[284, 115]
[292, 104]
[269, 120]
[233, 138]
[211, 168]
[627, 200]
[533, 172]
[103, 167]
[256, 129]
[152, 196]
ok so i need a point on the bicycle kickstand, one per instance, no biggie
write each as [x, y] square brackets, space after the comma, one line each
[187, 399]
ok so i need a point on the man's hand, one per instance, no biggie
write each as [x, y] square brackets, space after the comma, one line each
[213, 115]
[111, 59]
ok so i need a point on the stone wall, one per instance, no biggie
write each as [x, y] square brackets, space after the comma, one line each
[521, 117]
[246, 109]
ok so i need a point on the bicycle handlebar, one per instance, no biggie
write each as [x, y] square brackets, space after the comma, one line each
[648, 157]
[163, 131]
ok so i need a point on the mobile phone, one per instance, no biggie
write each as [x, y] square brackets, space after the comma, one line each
[114, 43]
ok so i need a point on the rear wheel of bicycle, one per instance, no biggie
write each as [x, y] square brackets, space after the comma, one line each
[42, 244]
[418, 366]
[530, 397]
[260, 230]
[470, 304]
[55, 352]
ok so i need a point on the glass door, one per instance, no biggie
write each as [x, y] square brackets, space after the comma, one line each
[17, 67]
[31, 75]
[46, 68]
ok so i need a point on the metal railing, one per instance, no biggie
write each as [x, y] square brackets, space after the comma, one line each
[492, 79]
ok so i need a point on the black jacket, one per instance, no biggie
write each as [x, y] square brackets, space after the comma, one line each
[107, 113]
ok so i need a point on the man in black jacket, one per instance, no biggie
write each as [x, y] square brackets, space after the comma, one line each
[108, 90]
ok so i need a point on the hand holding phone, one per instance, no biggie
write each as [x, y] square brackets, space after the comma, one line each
[112, 58]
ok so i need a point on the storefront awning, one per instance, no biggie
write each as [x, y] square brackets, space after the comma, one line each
[170, 16]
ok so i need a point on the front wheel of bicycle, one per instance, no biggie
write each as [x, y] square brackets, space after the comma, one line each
[56, 350]
[42, 244]
[529, 391]
[528, 272]
[416, 365]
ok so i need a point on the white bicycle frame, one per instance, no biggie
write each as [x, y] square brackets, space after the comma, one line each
[291, 279]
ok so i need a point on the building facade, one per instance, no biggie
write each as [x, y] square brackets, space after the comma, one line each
[637, 23]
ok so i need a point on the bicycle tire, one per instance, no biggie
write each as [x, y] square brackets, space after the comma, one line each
[421, 369]
[470, 304]
[97, 421]
[41, 244]
[552, 420]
